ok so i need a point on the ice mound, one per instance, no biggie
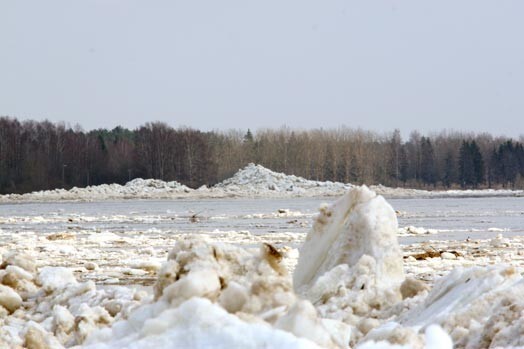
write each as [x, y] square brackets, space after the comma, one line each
[137, 188]
[49, 308]
[199, 268]
[140, 184]
[256, 180]
[478, 307]
[359, 223]
[351, 263]
[217, 295]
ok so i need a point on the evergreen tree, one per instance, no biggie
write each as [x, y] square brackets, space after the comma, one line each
[478, 164]
[248, 137]
[466, 168]
[508, 163]
[519, 154]
[427, 161]
[493, 168]
[449, 170]
[249, 147]
[471, 165]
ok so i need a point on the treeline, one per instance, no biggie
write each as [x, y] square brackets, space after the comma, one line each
[43, 155]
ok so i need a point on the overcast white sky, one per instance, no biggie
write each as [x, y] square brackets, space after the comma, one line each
[379, 65]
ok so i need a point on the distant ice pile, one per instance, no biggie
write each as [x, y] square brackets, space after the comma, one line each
[251, 181]
[256, 180]
[136, 189]
[348, 290]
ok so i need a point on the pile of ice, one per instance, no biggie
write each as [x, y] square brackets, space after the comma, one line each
[256, 180]
[251, 181]
[222, 296]
[350, 265]
[479, 307]
[206, 295]
[136, 189]
[49, 308]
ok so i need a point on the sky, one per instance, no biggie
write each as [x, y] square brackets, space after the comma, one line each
[378, 65]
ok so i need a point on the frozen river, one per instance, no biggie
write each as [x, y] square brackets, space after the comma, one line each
[118, 249]
[447, 218]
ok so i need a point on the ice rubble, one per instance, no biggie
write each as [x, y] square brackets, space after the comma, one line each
[256, 180]
[137, 189]
[222, 296]
[350, 264]
[250, 181]
[49, 308]
[349, 288]
[257, 289]
[359, 224]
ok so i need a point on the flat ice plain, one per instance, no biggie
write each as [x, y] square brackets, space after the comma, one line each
[113, 251]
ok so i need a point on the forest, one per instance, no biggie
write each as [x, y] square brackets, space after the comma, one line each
[44, 155]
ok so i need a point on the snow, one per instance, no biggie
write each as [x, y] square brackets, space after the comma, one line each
[197, 323]
[250, 181]
[434, 338]
[303, 322]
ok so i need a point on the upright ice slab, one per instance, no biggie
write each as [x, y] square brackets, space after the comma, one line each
[359, 223]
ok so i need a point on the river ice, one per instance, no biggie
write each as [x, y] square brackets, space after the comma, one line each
[100, 246]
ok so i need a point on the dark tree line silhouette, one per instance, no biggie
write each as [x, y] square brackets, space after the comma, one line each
[43, 155]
